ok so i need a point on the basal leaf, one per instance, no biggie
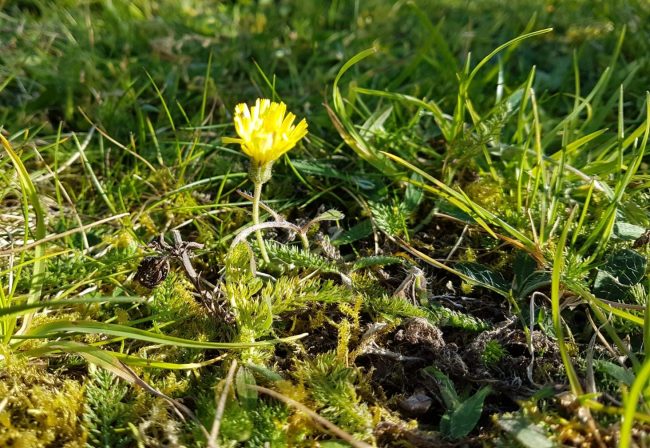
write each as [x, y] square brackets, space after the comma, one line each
[624, 269]
[526, 433]
[247, 395]
[447, 390]
[617, 372]
[466, 416]
[484, 276]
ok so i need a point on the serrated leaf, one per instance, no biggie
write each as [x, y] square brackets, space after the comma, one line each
[388, 217]
[378, 260]
[239, 263]
[296, 257]
[466, 416]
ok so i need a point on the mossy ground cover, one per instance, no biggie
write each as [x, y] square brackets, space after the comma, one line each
[457, 250]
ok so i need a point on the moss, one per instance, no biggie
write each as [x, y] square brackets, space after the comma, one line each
[332, 388]
[39, 409]
[106, 414]
[493, 353]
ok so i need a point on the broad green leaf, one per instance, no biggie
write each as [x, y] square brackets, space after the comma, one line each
[447, 390]
[445, 423]
[523, 266]
[483, 276]
[465, 417]
[355, 233]
[617, 372]
[267, 373]
[623, 269]
[532, 283]
[413, 195]
[247, 395]
[627, 231]
[525, 432]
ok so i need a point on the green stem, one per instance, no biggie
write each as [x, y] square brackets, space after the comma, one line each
[256, 220]
[305, 241]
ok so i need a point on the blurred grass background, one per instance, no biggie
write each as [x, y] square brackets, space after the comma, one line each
[59, 57]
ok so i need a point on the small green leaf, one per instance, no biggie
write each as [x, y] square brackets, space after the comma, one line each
[447, 390]
[484, 276]
[627, 231]
[624, 269]
[523, 266]
[525, 432]
[333, 444]
[357, 232]
[617, 372]
[532, 283]
[265, 372]
[378, 260]
[445, 423]
[247, 395]
[329, 215]
[466, 416]
[413, 195]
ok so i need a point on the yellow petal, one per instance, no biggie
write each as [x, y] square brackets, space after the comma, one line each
[266, 130]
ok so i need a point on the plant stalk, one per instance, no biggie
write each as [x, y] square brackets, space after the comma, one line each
[256, 220]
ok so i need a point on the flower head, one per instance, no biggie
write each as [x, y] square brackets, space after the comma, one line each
[266, 131]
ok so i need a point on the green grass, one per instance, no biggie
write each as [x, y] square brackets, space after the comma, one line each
[475, 176]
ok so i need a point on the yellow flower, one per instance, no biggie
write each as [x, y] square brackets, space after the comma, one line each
[266, 130]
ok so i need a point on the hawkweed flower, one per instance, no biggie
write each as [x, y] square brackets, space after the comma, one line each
[266, 132]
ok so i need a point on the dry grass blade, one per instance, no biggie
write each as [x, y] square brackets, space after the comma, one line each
[218, 415]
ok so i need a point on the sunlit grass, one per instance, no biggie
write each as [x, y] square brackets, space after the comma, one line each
[475, 175]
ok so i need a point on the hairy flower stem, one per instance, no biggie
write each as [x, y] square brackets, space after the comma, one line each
[256, 219]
